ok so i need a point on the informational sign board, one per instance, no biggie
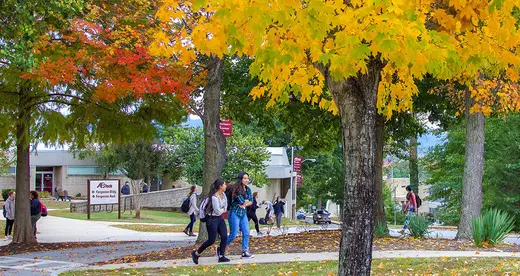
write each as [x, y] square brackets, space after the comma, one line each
[104, 192]
[299, 180]
[297, 164]
[226, 127]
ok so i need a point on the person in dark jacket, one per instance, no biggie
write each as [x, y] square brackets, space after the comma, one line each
[36, 210]
[125, 190]
[278, 207]
[251, 213]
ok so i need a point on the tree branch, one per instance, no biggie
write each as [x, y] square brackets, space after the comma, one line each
[196, 110]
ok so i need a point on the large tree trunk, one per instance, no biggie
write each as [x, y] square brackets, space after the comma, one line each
[379, 202]
[473, 170]
[214, 140]
[23, 232]
[356, 100]
[414, 165]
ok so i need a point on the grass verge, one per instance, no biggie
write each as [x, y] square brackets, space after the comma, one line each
[415, 266]
[147, 216]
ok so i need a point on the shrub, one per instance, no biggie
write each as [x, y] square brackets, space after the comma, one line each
[44, 194]
[418, 226]
[380, 230]
[78, 195]
[492, 227]
[4, 193]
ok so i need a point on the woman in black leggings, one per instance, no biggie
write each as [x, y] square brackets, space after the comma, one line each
[212, 208]
[251, 213]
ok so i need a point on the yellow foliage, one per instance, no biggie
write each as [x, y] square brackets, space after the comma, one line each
[297, 44]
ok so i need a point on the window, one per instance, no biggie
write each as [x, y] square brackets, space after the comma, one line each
[11, 170]
[83, 170]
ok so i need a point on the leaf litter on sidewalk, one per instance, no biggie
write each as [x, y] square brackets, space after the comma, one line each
[314, 241]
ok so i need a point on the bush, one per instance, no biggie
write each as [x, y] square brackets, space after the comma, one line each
[5, 193]
[418, 226]
[78, 195]
[44, 194]
[492, 227]
[380, 231]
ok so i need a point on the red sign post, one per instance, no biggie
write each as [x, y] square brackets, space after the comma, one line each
[297, 164]
[299, 180]
[226, 127]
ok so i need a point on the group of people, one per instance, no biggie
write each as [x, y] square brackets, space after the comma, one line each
[10, 212]
[125, 190]
[241, 208]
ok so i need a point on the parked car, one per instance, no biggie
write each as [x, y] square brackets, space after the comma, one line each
[321, 216]
[300, 215]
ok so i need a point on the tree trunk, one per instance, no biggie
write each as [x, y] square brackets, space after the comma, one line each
[136, 194]
[379, 202]
[214, 140]
[414, 165]
[471, 203]
[356, 99]
[23, 232]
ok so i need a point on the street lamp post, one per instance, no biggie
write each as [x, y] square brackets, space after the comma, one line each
[292, 188]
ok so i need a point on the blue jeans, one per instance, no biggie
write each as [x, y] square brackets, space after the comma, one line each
[234, 223]
[409, 216]
[193, 219]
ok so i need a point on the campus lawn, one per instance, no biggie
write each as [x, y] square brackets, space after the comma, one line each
[415, 266]
[147, 216]
[53, 204]
[180, 228]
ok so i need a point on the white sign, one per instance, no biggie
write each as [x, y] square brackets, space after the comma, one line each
[104, 192]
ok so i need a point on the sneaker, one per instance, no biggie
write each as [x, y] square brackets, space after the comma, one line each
[217, 252]
[192, 235]
[185, 231]
[194, 257]
[223, 259]
[247, 255]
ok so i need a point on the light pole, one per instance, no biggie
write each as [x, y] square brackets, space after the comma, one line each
[292, 188]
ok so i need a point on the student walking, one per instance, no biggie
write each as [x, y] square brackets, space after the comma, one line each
[36, 210]
[211, 210]
[410, 207]
[251, 213]
[192, 212]
[241, 197]
[9, 215]
[278, 211]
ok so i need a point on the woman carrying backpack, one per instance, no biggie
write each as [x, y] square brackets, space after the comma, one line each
[9, 214]
[192, 212]
[410, 208]
[212, 208]
[251, 213]
[241, 197]
[36, 210]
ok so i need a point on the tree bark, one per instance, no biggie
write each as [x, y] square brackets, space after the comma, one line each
[471, 203]
[356, 99]
[23, 232]
[379, 202]
[136, 194]
[414, 165]
[214, 141]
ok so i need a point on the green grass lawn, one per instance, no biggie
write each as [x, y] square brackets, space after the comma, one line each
[53, 204]
[430, 266]
[147, 216]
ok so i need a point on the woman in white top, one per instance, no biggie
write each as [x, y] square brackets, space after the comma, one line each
[213, 210]
[192, 212]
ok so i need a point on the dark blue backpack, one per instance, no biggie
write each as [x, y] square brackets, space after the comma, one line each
[185, 207]
[4, 212]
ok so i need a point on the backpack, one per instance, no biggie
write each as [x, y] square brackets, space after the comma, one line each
[228, 193]
[4, 212]
[202, 213]
[43, 209]
[418, 200]
[185, 207]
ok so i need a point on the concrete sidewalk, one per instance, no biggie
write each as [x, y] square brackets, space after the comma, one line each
[303, 257]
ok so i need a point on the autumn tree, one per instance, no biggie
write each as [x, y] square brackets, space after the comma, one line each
[78, 71]
[368, 54]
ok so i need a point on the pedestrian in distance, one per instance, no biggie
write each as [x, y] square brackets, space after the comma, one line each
[241, 198]
[410, 208]
[36, 210]
[211, 210]
[192, 212]
[125, 190]
[9, 214]
[251, 213]
[278, 207]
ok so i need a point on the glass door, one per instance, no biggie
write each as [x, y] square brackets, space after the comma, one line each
[38, 183]
[47, 183]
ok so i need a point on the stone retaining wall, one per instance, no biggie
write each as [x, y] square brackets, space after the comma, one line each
[165, 199]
